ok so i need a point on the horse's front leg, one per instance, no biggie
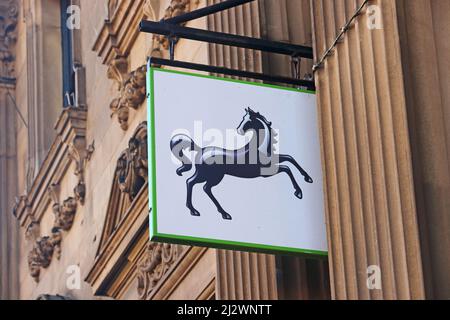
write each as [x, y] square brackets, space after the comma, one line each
[208, 190]
[287, 170]
[190, 183]
[287, 158]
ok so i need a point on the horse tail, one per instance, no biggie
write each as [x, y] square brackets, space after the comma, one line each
[178, 144]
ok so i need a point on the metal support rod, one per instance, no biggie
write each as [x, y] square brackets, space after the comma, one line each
[171, 30]
[296, 65]
[232, 72]
[172, 41]
[203, 12]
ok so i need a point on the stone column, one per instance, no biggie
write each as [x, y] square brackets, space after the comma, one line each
[424, 27]
[9, 245]
[366, 147]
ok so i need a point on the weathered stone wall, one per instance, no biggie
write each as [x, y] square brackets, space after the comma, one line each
[65, 209]
[385, 152]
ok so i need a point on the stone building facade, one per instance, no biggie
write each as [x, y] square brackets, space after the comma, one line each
[73, 140]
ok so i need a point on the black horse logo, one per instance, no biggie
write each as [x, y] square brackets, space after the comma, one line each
[256, 159]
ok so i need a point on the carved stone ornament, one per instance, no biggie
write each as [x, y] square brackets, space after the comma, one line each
[70, 145]
[8, 23]
[32, 231]
[132, 85]
[118, 71]
[175, 9]
[81, 155]
[40, 256]
[128, 181]
[132, 95]
[65, 215]
[80, 192]
[56, 239]
[53, 192]
[132, 166]
[157, 261]
[45, 247]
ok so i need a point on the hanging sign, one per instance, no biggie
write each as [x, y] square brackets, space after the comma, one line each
[234, 165]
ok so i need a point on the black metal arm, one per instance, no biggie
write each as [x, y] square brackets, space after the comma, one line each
[171, 29]
[232, 72]
[176, 31]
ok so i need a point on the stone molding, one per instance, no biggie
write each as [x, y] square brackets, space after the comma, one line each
[127, 222]
[130, 177]
[119, 30]
[132, 166]
[115, 40]
[127, 212]
[69, 145]
[114, 248]
[132, 94]
[157, 260]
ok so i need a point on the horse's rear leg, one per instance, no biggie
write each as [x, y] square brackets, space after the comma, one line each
[287, 158]
[208, 190]
[190, 183]
[298, 190]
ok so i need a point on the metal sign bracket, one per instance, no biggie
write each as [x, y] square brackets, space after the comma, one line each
[173, 31]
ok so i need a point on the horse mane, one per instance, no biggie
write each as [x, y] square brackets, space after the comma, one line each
[260, 117]
[274, 134]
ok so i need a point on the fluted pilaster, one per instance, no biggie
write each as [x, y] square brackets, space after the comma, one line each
[370, 196]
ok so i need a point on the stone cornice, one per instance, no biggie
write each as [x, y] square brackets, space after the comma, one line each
[119, 31]
[124, 252]
[118, 264]
[131, 227]
[71, 131]
[157, 273]
[115, 40]
[69, 145]
[127, 213]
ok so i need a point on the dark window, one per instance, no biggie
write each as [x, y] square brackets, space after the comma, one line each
[67, 61]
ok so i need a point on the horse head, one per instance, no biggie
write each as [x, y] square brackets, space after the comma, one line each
[251, 121]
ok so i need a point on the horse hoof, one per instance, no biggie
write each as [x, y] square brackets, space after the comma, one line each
[299, 195]
[309, 179]
[226, 216]
[195, 213]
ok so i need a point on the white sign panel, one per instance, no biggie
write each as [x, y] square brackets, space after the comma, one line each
[234, 165]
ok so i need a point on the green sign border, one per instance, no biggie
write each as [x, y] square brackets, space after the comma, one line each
[215, 243]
